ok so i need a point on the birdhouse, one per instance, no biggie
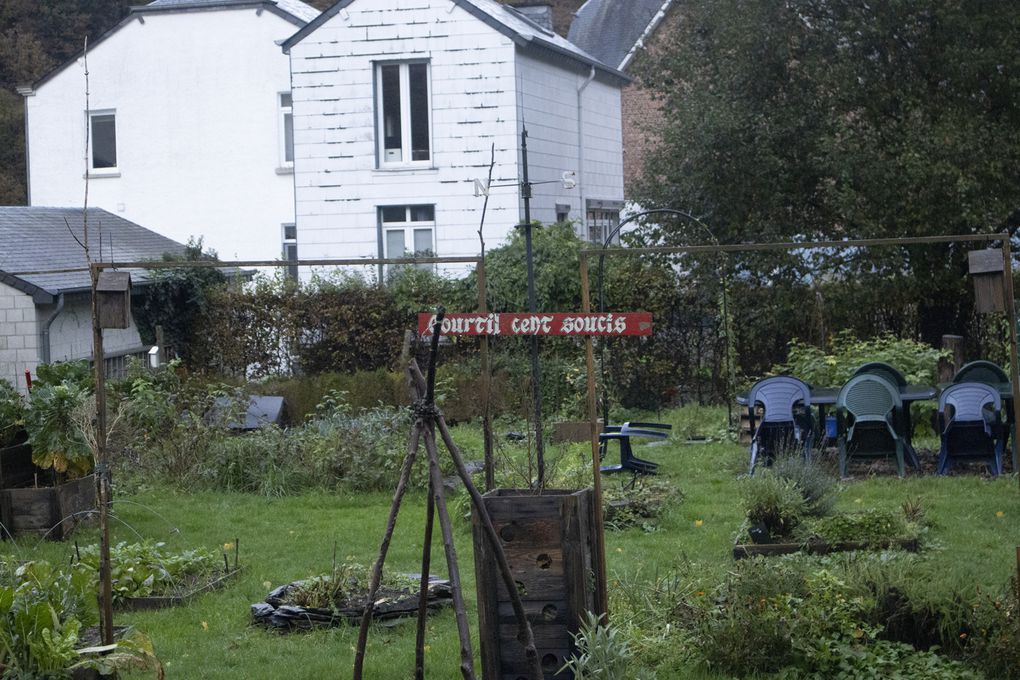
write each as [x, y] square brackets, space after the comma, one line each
[986, 266]
[113, 291]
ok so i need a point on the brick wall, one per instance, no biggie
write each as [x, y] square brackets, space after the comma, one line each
[642, 108]
[19, 335]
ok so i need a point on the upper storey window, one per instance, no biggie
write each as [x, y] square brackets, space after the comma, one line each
[102, 140]
[403, 113]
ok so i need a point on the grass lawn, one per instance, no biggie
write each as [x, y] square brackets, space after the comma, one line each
[976, 531]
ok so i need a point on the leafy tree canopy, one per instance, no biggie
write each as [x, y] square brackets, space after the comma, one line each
[807, 119]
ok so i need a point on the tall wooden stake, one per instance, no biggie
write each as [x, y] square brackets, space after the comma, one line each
[593, 428]
[1014, 364]
[102, 471]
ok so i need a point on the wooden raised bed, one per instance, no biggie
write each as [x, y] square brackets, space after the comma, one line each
[742, 550]
[50, 511]
[218, 580]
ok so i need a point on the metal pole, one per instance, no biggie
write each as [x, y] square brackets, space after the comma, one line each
[536, 385]
[596, 467]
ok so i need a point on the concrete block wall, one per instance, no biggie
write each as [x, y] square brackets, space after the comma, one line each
[19, 336]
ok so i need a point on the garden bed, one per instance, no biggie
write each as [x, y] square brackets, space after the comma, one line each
[287, 607]
[814, 547]
[190, 589]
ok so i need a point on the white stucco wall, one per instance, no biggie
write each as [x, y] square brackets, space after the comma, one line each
[197, 124]
[19, 337]
[557, 97]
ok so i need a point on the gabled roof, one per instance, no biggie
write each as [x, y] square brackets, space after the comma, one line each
[612, 30]
[294, 11]
[40, 240]
[295, 8]
[502, 18]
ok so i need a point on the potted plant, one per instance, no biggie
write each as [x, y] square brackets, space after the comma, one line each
[54, 493]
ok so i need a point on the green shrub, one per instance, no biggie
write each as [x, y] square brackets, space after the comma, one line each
[57, 441]
[147, 569]
[603, 653]
[12, 413]
[815, 483]
[773, 504]
[871, 527]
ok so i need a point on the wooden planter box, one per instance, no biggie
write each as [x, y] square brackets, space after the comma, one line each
[549, 542]
[742, 550]
[41, 510]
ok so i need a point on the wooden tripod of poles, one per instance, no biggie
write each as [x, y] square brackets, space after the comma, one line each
[427, 420]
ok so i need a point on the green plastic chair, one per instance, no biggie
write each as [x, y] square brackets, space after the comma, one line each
[867, 409]
[982, 372]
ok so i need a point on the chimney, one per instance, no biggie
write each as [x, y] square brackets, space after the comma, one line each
[538, 12]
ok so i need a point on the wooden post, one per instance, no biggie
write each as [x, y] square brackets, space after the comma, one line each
[102, 470]
[954, 345]
[1014, 363]
[596, 464]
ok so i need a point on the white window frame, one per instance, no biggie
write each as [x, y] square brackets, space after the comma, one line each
[285, 111]
[89, 116]
[287, 244]
[599, 222]
[405, 115]
[408, 228]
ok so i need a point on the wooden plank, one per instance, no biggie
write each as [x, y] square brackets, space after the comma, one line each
[741, 551]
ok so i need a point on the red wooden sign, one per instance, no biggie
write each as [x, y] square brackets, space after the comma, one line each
[627, 323]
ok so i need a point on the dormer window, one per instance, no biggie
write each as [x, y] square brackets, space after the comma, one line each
[403, 113]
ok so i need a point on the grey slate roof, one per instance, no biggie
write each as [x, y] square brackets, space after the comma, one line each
[295, 8]
[37, 240]
[502, 18]
[609, 29]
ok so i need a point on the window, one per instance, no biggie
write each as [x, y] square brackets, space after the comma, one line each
[562, 213]
[403, 112]
[408, 230]
[102, 140]
[290, 249]
[600, 223]
[286, 130]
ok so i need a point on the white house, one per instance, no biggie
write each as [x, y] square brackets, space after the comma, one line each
[188, 124]
[45, 302]
[399, 105]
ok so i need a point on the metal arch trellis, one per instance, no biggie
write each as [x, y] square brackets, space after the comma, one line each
[1004, 237]
[102, 461]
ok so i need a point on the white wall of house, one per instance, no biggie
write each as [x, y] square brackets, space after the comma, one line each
[558, 98]
[340, 185]
[198, 129]
[19, 337]
[71, 333]
[481, 84]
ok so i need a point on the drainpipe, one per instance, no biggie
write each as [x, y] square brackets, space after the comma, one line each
[44, 334]
[580, 151]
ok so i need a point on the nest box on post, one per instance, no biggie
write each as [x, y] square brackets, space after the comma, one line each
[114, 293]
[986, 266]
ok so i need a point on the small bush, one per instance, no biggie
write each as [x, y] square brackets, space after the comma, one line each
[815, 483]
[12, 413]
[870, 527]
[773, 504]
[602, 653]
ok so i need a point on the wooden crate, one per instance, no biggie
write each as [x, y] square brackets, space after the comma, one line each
[549, 542]
[41, 510]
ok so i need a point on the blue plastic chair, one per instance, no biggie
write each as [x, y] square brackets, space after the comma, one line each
[968, 428]
[622, 434]
[779, 425]
[868, 409]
